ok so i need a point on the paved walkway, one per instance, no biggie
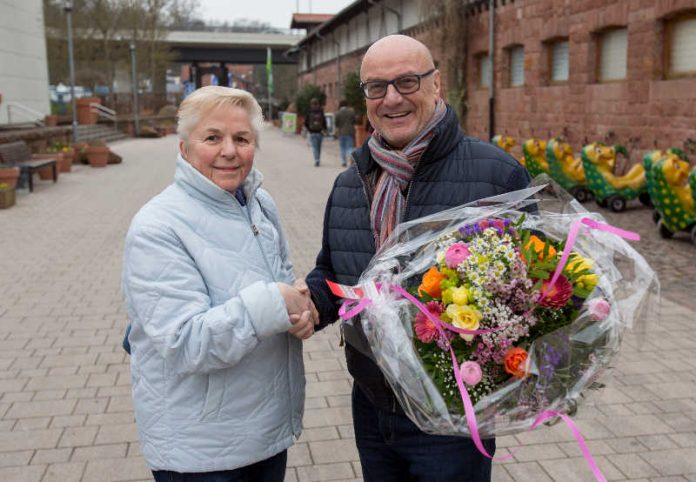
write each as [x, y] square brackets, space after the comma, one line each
[65, 407]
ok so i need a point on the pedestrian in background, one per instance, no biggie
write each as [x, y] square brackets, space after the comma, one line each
[315, 122]
[417, 162]
[345, 126]
[217, 325]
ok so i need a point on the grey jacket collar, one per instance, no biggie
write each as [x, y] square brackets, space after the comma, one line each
[200, 187]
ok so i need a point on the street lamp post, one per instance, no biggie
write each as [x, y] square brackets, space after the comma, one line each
[68, 6]
[134, 81]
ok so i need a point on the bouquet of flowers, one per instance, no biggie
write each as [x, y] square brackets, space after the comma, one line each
[512, 305]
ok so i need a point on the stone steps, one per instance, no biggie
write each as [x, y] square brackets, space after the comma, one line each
[98, 132]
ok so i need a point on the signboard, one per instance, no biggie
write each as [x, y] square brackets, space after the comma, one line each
[289, 122]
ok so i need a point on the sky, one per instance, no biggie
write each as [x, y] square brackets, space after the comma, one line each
[276, 12]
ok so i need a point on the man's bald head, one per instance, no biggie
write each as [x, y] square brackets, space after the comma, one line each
[400, 115]
[387, 46]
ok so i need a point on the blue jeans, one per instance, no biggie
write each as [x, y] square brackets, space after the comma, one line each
[393, 449]
[346, 143]
[269, 470]
[315, 139]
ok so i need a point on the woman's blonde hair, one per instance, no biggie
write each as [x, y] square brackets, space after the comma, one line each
[208, 98]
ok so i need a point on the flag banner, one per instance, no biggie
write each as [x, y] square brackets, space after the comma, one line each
[269, 70]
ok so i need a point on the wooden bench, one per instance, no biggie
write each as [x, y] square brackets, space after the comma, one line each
[18, 154]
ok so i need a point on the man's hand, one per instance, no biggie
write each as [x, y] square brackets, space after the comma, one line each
[301, 286]
[298, 302]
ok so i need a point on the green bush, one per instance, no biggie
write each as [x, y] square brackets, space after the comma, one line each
[307, 93]
[353, 93]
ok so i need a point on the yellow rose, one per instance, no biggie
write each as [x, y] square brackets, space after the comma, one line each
[464, 317]
[588, 281]
[578, 263]
[460, 295]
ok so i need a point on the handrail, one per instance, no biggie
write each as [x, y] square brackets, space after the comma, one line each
[105, 112]
[36, 116]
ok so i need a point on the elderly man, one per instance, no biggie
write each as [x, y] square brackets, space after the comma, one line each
[417, 162]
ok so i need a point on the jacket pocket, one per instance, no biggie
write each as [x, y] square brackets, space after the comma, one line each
[213, 396]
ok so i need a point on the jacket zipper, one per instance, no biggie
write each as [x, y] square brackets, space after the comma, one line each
[255, 231]
[363, 181]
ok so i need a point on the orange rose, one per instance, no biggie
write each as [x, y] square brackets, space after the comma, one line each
[538, 246]
[431, 283]
[515, 361]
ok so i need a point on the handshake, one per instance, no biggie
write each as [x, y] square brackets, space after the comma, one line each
[301, 310]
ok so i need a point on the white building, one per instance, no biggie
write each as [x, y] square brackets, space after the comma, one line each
[23, 63]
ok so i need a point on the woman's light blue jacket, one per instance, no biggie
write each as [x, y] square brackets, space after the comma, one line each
[218, 383]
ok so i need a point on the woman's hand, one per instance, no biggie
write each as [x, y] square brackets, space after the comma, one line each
[301, 311]
[302, 325]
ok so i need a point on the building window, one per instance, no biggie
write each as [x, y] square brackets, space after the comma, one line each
[484, 69]
[681, 47]
[612, 54]
[517, 66]
[559, 61]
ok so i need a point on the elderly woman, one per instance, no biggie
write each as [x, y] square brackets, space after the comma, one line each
[217, 328]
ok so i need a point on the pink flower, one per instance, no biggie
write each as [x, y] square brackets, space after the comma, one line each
[599, 308]
[471, 372]
[456, 253]
[426, 331]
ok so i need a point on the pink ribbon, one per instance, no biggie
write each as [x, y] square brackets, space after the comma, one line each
[346, 312]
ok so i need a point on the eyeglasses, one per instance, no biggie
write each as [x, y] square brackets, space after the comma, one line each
[406, 84]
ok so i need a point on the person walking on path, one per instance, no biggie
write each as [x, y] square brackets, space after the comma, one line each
[417, 162]
[217, 325]
[345, 125]
[315, 122]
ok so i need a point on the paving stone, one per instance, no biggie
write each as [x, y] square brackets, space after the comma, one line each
[41, 408]
[117, 433]
[31, 424]
[77, 436]
[51, 456]
[98, 452]
[319, 433]
[29, 473]
[66, 472]
[672, 462]
[527, 471]
[325, 472]
[30, 439]
[331, 451]
[10, 459]
[107, 470]
[298, 455]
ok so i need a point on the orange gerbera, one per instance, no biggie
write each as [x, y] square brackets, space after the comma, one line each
[431, 283]
[538, 246]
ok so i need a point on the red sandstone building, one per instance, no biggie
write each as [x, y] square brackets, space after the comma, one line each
[619, 71]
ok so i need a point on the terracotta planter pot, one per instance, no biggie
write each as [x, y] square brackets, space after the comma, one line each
[65, 161]
[98, 156]
[7, 198]
[360, 135]
[51, 120]
[300, 124]
[84, 114]
[9, 175]
[46, 173]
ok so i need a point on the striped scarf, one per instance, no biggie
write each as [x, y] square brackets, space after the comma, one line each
[388, 202]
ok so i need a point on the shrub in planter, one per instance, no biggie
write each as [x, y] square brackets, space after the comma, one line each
[80, 156]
